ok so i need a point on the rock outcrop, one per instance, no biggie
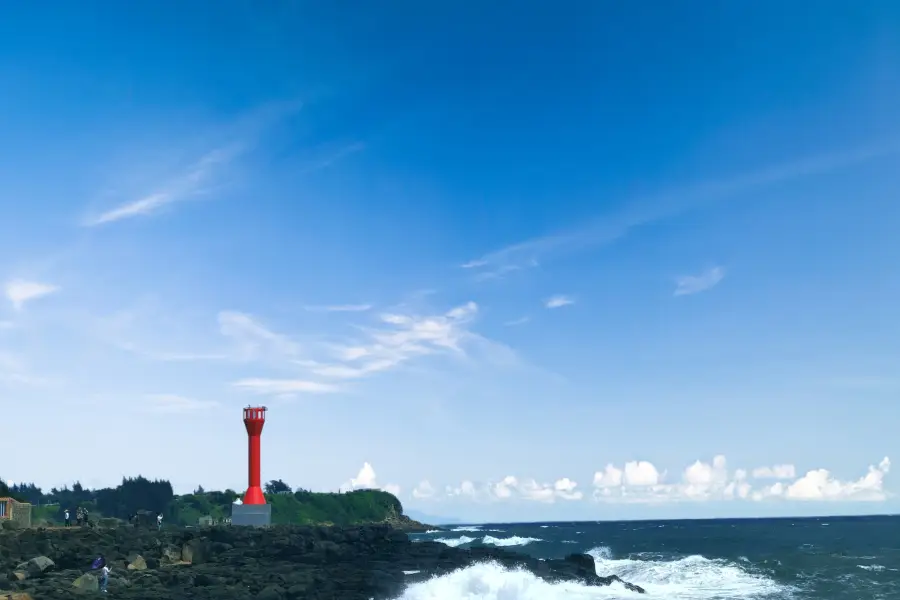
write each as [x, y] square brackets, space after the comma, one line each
[223, 563]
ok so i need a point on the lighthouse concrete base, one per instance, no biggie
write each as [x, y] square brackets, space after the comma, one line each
[251, 515]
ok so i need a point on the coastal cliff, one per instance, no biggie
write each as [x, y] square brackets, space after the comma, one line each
[223, 563]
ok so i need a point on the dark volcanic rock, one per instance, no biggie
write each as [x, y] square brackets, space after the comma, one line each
[281, 563]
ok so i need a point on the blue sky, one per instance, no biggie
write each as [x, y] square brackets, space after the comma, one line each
[522, 261]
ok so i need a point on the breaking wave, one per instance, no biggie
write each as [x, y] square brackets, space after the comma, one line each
[488, 540]
[490, 581]
[510, 541]
[692, 577]
[454, 542]
[689, 578]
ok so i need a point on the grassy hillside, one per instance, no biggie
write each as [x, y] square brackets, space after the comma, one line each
[298, 508]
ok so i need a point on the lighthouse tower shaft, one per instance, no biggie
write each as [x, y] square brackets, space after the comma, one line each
[254, 420]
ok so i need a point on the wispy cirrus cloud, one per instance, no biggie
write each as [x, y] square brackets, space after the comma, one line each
[11, 369]
[865, 382]
[399, 337]
[254, 340]
[339, 308]
[288, 365]
[202, 175]
[517, 322]
[610, 228]
[280, 387]
[184, 186]
[333, 157]
[393, 340]
[694, 284]
[143, 330]
[175, 404]
[558, 301]
[20, 291]
[14, 371]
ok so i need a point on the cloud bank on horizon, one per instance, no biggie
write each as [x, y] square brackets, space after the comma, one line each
[641, 482]
[479, 288]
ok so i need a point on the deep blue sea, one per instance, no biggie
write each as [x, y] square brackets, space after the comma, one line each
[828, 558]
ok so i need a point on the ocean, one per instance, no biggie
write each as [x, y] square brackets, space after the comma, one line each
[827, 558]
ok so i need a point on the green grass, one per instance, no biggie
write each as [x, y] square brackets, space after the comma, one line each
[299, 508]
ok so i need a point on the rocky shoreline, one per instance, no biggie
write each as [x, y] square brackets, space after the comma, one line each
[223, 563]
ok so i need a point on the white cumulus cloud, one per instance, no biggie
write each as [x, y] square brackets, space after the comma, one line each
[775, 472]
[366, 479]
[611, 476]
[424, 490]
[514, 488]
[641, 473]
[642, 482]
[820, 484]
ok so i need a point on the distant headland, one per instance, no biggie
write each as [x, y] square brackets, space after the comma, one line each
[137, 496]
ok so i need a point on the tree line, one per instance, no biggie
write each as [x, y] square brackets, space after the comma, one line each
[138, 494]
[122, 501]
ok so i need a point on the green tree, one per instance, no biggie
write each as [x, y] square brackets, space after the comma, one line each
[277, 486]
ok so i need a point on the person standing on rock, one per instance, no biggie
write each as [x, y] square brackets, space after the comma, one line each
[66, 515]
[159, 521]
[104, 577]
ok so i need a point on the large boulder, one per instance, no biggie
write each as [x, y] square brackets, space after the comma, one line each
[87, 583]
[36, 567]
[137, 563]
[195, 551]
[170, 554]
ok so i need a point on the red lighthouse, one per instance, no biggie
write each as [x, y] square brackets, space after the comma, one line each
[254, 419]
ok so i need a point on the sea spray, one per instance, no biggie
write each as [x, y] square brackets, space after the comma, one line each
[688, 578]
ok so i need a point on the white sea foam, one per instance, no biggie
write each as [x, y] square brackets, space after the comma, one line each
[454, 542]
[410, 572]
[876, 568]
[467, 528]
[689, 578]
[510, 541]
[489, 581]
